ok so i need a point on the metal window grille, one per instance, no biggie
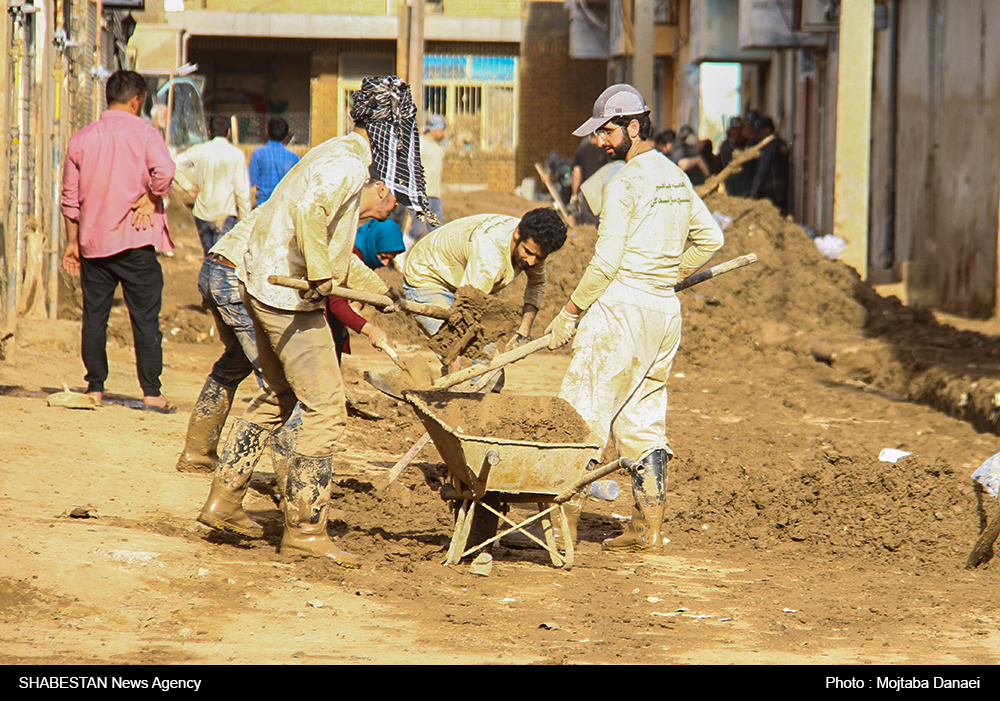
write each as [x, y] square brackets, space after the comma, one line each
[252, 126]
[477, 95]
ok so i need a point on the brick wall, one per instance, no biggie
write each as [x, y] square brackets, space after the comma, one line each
[557, 92]
[323, 94]
[495, 171]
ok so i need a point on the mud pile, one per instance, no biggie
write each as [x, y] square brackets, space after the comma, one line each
[509, 417]
[835, 503]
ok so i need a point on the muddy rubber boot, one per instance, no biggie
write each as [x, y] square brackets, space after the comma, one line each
[306, 507]
[205, 427]
[223, 509]
[649, 492]
[283, 443]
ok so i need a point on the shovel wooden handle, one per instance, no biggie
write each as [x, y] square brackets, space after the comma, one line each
[497, 363]
[716, 270]
[393, 356]
[380, 301]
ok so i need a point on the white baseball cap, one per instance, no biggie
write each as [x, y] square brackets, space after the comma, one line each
[617, 101]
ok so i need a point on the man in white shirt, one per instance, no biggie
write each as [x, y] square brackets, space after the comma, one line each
[432, 158]
[617, 379]
[215, 174]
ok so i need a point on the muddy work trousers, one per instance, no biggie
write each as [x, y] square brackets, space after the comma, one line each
[617, 379]
[298, 361]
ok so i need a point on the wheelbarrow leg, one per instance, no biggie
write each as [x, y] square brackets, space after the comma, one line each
[463, 524]
[567, 538]
[550, 540]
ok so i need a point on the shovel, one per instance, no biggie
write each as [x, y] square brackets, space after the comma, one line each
[413, 375]
[378, 301]
[417, 371]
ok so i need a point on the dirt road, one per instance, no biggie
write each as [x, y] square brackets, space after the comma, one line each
[789, 541]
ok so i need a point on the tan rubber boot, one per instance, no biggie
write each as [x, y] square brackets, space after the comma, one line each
[205, 427]
[223, 510]
[649, 492]
[307, 506]
[283, 443]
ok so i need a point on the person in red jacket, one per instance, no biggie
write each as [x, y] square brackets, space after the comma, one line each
[377, 243]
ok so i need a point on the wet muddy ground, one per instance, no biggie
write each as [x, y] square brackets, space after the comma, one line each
[789, 541]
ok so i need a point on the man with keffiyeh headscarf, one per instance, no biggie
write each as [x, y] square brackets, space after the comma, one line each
[306, 230]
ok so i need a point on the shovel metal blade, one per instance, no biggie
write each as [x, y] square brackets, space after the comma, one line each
[391, 383]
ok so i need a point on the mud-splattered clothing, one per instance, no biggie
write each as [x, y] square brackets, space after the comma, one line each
[626, 343]
[650, 210]
[471, 251]
[307, 227]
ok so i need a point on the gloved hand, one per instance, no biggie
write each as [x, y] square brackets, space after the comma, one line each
[562, 329]
[390, 309]
[317, 290]
[374, 333]
[516, 341]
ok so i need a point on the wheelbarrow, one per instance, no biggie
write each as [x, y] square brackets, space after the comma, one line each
[488, 474]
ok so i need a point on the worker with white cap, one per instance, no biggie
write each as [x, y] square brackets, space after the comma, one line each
[432, 158]
[627, 341]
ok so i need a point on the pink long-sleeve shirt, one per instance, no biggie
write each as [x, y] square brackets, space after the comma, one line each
[109, 165]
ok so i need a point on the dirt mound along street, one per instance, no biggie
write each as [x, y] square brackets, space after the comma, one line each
[508, 417]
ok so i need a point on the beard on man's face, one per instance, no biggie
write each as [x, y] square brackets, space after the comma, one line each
[619, 152]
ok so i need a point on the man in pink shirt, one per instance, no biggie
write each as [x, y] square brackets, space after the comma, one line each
[117, 171]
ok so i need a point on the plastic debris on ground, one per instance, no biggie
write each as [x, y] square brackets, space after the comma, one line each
[988, 475]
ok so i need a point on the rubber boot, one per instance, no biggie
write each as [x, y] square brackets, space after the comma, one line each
[307, 506]
[205, 427]
[283, 443]
[649, 492]
[223, 509]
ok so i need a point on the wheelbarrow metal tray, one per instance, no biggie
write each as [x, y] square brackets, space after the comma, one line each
[525, 467]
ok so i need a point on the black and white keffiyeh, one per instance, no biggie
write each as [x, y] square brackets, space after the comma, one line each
[384, 105]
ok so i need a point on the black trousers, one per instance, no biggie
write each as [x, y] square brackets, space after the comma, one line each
[139, 273]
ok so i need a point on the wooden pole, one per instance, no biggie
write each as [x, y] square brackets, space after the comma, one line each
[416, 60]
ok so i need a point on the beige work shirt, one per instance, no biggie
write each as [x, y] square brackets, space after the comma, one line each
[306, 228]
[650, 210]
[471, 251]
[432, 159]
[233, 245]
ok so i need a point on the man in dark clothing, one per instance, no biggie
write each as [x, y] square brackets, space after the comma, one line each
[771, 179]
[736, 185]
[588, 160]
[684, 152]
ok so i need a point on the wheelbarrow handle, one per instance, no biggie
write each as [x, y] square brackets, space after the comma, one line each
[593, 476]
[380, 301]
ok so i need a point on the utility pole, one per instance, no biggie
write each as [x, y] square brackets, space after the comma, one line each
[416, 60]
[642, 49]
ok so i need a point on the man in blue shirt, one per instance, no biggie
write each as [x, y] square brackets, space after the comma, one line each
[270, 162]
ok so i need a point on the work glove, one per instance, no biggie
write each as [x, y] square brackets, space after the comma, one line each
[562, 329]
[516, 341]
[317, 291]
